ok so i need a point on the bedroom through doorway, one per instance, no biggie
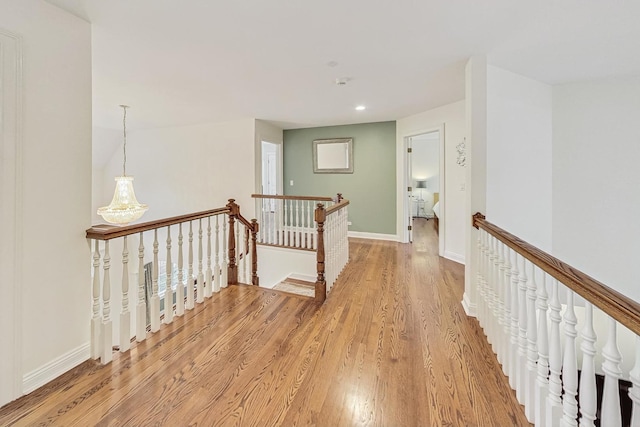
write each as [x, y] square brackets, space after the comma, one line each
[424, 176]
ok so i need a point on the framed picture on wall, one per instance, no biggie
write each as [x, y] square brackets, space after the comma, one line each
[333, 155]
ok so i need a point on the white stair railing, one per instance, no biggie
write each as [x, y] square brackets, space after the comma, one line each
[545, 337]
[288, 221]
[333, 245]
[168, 288]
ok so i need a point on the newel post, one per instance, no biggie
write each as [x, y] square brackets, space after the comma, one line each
[255, 280]
[232, 268]
[476, 218]
[321, 284]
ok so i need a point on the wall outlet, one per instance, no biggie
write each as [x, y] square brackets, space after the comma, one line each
[291, 183]
[348, 222]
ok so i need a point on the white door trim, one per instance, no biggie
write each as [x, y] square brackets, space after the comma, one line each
[11, 214]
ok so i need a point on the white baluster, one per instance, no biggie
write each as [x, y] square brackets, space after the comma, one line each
[521, 368]
[488, 300]
[506, 326]
[190, 282]
[141, 308]
[570, 366]
[542, 382]
[96, 321]
[216, 267]
[611, 367]
[309, 227]
[587, 395]
[248, 264]
[486, 284]
[155, 299]
[532, 347]
[261, 215]
[491, 297]
[495, 295]
[277, 219]
[239, 254]
[285, 223]
[125, 315]
[480, 275]
[634, 392]
[168, 289]
[554, 400]
[208, 290]
[200, 279]
[107, 332]
[515, 315]
[265, 234]
[180, 284]
[225, 254]
[502, 284]
[298, 228]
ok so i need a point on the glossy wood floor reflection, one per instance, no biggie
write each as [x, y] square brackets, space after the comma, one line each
[392, 346]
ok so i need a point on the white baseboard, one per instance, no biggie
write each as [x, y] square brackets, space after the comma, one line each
[454, 257]
[53, 369]
[375, 236]
[468, 307]
[304, 277]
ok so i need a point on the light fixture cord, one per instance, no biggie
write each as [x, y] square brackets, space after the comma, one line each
[124, 146]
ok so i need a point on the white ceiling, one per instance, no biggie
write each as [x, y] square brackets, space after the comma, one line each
[195, 61]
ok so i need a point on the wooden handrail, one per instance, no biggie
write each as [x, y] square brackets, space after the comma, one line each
[280, 197]
[337, 206]
[620, 307]
[108, 232]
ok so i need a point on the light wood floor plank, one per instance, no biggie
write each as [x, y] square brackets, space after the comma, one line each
[391, 346]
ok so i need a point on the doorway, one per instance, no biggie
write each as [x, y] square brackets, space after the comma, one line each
[271, 172]
[424, 176]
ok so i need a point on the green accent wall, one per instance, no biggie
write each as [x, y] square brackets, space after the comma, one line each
[371, 188]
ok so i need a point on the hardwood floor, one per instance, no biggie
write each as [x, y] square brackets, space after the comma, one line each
[391, 346]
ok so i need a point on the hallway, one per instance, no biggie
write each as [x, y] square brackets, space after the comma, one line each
[390, 347]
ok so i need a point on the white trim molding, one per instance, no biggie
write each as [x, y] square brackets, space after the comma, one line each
[453, 257]
[469, 307]
[304, 277]
[53, 369]
[373, 236]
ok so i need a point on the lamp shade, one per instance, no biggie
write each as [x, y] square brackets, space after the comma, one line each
[421, 184]
[124, 207]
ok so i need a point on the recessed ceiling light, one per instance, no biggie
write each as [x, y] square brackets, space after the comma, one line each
[360, 107]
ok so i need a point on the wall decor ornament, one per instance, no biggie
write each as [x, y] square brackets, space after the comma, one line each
[462, 153]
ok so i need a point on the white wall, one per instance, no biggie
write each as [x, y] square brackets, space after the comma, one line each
[55, 186]
[596, 147]
[453, 118]
[283, 263]
[519, 139]
[179, 170]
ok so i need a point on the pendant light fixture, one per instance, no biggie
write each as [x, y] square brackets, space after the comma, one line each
[124, 207]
